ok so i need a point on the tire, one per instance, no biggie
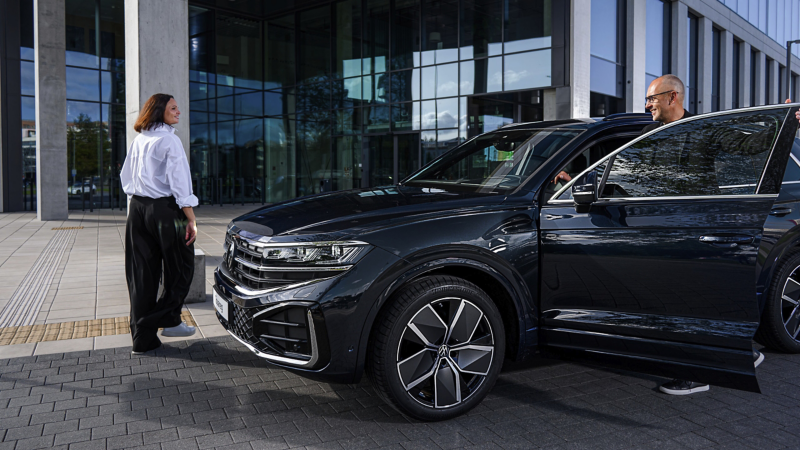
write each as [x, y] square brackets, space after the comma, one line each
[780, 321]
[417, 357]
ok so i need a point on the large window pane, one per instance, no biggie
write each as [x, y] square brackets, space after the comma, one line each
[657, 51]
[481, 28]
[27, 78]
[279, 52]
[280, 159]
[447, 113]
[528, 25]
[406, 116]
[376, 36]
[239, 50]
[113, 87]
[405, 85]
[447, 80]
[527, 70]
[348, 38]
[346, 173]
[604, 29]
[314, 43]
[83, 84]
[112, 34]
[405, 34]
[482, 76]
[439, 31]
[81, 37]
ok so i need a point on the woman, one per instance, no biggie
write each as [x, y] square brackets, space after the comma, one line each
[161, 226]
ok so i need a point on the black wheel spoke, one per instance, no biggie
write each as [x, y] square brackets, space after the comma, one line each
[473, 359]
[448, 386]
[791, 291]
[417, 368]
[792, 322]
[428, 326]
[464, 323]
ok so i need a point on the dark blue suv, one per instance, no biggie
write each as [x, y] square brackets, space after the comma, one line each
[665, 253]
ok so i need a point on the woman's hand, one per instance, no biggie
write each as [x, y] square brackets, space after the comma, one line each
[191, 225]
[191, 232]
[564, 176]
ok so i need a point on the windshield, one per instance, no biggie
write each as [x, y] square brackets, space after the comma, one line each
[495, 162]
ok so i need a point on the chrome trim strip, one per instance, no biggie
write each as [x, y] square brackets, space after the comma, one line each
[282, 359]
[296, 244]
[293, 269]
[691, 197]
[257, 293]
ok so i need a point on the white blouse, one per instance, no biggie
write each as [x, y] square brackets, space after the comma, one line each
[156, 166]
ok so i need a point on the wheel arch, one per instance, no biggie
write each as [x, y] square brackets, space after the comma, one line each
[788, 244]
[503, 285]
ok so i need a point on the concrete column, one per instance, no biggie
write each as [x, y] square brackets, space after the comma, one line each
[679, 44]
[157, 58]
[635, 85]
[550, 107]
[774, 78]
[744, 74]
[761, 76]
[49, 37]
[580, 57]
[705, 62]
[726, 86]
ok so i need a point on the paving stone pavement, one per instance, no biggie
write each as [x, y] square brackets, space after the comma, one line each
[213, 393]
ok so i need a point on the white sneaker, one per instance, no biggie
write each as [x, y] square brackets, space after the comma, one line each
[181, 330]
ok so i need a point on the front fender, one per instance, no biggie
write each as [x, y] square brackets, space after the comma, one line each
[450, 256]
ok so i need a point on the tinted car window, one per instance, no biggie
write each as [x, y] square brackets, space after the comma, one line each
[719, 155]
[493, 163]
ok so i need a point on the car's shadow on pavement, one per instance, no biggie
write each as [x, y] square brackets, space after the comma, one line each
[213, 392]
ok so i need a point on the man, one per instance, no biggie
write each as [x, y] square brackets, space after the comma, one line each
[664, 102]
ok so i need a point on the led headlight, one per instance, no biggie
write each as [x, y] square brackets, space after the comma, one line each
[336, 253]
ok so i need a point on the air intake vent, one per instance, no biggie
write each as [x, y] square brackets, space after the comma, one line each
[285, 331]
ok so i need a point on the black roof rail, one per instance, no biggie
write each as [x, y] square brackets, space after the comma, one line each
[629, 116]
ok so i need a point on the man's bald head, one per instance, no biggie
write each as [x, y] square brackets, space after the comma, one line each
[665, 98]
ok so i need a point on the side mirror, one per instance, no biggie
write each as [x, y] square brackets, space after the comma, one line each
[584, 192]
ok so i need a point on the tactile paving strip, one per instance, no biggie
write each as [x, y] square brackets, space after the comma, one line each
[24, 304]
[29, 334]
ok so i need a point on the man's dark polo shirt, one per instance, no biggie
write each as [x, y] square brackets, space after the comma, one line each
[655, 125]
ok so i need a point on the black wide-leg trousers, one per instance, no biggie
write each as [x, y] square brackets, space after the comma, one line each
[154, 236]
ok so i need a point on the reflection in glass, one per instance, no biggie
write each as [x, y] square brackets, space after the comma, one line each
[239, 51]
[407, 154]
[379, 160]
[83, 84]
[405, 34]
[198, 91]
[481, 76]
[428, 116]
[376, 36]
[314, 41]
[279, 52]
[604, 29]
[280, 159]
[249, 104]
[405, 85]
[481, 28]
[428, 82]
[346, 173]
[348, 39]
[347, 121]
[81, 39]
[528, 25]
[440, 32]
[447, 113]
[27, 78]
[657, 38]
[113, 87]
[604, 77]
[376, 119]
[720, 155]
[314, 157]
[428, 146]
[405, 116]
[527, 70]
[447, 80]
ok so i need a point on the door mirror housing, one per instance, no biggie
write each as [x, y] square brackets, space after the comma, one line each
[584, 192]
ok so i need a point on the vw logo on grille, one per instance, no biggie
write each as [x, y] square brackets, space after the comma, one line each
[444, 352]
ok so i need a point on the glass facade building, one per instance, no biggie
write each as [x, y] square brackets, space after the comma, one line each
[307, 96]
[355, 93]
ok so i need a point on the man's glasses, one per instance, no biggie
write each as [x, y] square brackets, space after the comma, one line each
[653, 98]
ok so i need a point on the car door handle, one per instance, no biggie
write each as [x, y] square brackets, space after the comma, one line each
[726, 241]
[780, 212]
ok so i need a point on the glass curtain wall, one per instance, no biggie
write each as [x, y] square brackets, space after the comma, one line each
[95, 75]
[775, 18]
[657, 53]
[607, 82]
[351, 93]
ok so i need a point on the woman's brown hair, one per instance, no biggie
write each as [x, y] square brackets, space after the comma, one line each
[152, 113]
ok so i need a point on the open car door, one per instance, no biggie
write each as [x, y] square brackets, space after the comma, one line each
[649, 258]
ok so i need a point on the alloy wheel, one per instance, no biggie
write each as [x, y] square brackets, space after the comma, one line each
[445, 352]
[790, 304]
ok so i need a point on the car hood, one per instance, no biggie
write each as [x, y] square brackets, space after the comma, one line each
[358, 211]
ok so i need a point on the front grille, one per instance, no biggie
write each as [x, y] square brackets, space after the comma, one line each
[246, 255]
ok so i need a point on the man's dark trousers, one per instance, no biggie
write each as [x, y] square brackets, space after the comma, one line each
[154, 235]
